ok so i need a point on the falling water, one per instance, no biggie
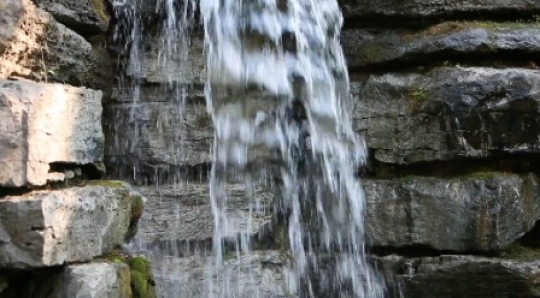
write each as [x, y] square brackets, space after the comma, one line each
[278, 95]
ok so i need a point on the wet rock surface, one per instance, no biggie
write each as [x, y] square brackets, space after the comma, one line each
[43, 49]
[70, 225]
[462, 276]
[449, 113]
[480, 212]
[259, 275]
[157, 136]
[44, 124]
[182, 213]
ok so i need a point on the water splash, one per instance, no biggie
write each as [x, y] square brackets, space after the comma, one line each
[278, 95]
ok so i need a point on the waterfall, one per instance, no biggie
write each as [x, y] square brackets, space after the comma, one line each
[278, 94]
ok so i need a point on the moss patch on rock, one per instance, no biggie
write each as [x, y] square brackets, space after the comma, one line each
[141, 281]
[107, 183]
[518, 251]
[100, 9]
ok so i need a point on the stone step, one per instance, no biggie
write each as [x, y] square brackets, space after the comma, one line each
[449, 113]
[479, 212]
[44, 124]
[461, 276]
[368, 47]
[49, 228]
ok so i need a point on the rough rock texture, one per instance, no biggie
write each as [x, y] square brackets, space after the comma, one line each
[43, 124]
[94, 280]
[182, 212]
[10, 17]
[43, 49]
[88, 16]
[364, 47]
[46, 228]
[449, 113]
[258, 276]
[187, 66]
[433, 8]
[157, 135]
[463, 276]
[485, 212]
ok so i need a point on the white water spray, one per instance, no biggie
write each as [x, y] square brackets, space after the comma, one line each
[278, 95]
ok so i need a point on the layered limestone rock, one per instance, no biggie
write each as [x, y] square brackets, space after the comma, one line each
[462, 276]
[449, 113]
[44, 124]
[182, 212]
[47, 228]
[39, 48]
[433, 8]
[481, 212]
[365, 47]
[156, 136]
[259, 275]
[90, 17]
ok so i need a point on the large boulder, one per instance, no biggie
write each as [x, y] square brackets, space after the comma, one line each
[42, 49]
[365, 47]
[44, 124]
[480, 212]
[88, 17]
[448, 113]
[426, 8]
[48, 228]
[462, 276]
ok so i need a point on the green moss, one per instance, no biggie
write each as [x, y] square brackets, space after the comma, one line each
[137, 208]
[517, 251]
[108, 183]
[373, 52]
[141, 278]
[453, 27]
[481, 175]
[139, 284]
[113, 257]
[100, 9]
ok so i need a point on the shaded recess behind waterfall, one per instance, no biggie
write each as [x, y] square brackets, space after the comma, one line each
[151, 43]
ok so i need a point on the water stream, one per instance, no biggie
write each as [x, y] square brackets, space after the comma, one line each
[277, 92]
[279, 99]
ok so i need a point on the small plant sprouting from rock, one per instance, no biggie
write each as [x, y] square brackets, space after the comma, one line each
[417, 97]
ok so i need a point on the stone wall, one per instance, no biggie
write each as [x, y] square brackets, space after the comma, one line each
[61, 226]
[446, 95]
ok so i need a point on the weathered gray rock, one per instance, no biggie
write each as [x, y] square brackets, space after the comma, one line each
[257, 276]
[89, 17]
[10, 16]
[184, 63]
[364, 47]
[157, 135]
[482, 212]
[46, 228]
[182, 212]
[449, 113]
[462, 276]
[423, 8]
[47, 123]
[43, 49]
[94, 280]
